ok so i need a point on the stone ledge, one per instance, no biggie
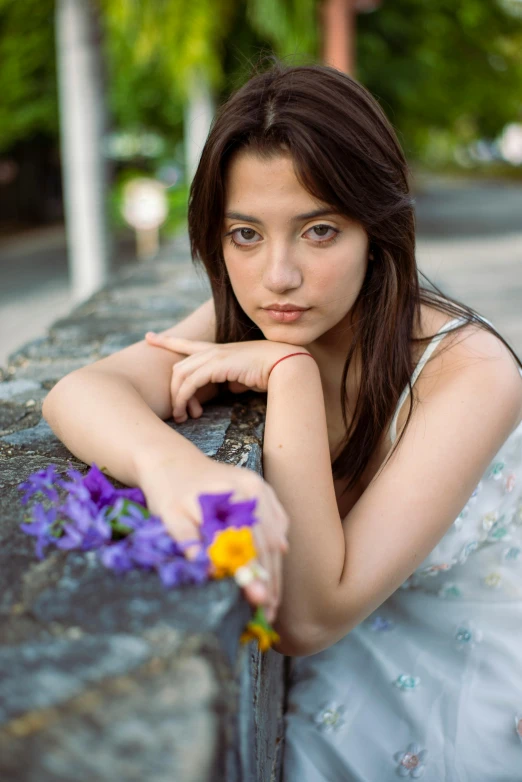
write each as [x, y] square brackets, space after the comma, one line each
[105, 678]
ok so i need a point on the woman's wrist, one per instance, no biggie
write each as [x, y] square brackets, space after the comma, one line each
[177, 455]
[293, 365]
[292, 354]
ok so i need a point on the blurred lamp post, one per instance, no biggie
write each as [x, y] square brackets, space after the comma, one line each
[82, 115]
[339, 26]
[145, 208]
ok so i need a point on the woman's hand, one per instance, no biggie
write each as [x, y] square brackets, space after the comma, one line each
[177, 505]
[244, 365]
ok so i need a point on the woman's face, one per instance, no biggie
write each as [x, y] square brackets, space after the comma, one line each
[284, 255]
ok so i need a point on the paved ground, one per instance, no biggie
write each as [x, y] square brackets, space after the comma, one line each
[469, 243]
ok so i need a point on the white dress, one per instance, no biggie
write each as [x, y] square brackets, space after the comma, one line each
[430, 684]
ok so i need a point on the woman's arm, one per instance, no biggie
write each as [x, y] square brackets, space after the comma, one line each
[338, 571]
[110, 412]
[102, 418]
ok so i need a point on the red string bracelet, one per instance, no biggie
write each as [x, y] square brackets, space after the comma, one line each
[288, 356]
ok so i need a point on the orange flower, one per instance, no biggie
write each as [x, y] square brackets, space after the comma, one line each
[231, 548]
[259, 630]
[265, 636]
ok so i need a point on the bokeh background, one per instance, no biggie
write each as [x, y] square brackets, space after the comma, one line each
[98, 93]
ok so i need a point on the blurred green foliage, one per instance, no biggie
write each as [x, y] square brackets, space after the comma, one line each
[28, 101]
[444, 71]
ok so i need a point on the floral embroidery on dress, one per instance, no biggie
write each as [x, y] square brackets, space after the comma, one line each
[434, 570]
[468, 549]
[464, 512]
[380, 624]
[467, 635]
[496, 470]
[476, 491]
[330, 717]
[512, 553]
[406, 682]
[458, 523]
[412, 761]
[498, 531]
[489, 519]
[493, 580]
[449, 592]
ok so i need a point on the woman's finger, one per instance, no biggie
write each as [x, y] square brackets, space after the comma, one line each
[182, 370]
[177, 344]
[208, 372]
[194, 407]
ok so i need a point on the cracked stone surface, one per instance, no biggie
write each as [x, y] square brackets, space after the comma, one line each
[107, 678]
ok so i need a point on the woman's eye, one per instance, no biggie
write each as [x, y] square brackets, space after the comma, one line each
[322, 230]
[246, 234]
[245, 237]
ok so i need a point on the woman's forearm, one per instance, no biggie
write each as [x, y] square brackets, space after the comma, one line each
[102, 418]
[296, 462]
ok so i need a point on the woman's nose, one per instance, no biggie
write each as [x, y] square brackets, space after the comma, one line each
[281, 272]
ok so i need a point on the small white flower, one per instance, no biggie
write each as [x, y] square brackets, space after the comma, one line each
[467, 635]
[449, 591]
[406, 683]
[412, 762]
[493, 580]
[245, 574]
[330, 717]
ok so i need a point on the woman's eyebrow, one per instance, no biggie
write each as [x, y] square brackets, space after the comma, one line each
[305, 216]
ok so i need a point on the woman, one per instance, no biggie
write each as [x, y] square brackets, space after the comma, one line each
[399, 596]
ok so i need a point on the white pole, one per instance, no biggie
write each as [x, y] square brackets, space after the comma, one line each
[198, 114]
[83, 165]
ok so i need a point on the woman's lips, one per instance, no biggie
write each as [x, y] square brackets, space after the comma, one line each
[286, 317]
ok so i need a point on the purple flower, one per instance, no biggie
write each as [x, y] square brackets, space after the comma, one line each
[183, 571]
[96, 487]
[150, 547]
[126, 516]
[84, 531]
[94, 515]
[220, 514]
[45, 481]
[40, 527]
[116, 556]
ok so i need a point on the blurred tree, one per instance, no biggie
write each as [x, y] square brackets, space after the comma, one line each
[441, 69]
[444, 71]
[179, 55]
[28, 103]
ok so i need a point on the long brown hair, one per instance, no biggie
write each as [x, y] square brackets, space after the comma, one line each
[345, 154]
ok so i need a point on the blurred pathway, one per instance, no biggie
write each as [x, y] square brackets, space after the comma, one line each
[34, 289]
[469, 243]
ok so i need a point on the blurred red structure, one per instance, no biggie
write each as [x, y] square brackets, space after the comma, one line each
[338, 24]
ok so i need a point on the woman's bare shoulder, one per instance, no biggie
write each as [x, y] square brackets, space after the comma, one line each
[476, 355]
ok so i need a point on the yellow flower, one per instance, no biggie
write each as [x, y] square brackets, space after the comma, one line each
[231, 548]
[265, 636]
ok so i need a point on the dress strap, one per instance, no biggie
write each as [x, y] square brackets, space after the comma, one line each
[441, 333]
